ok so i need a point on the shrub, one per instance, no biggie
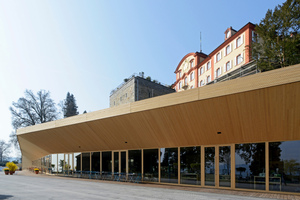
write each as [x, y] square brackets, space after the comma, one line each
[11, 166]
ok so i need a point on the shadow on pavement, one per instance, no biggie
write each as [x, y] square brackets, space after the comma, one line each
[5, 196]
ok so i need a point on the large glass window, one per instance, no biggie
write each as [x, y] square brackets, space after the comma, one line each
[77, 161]
[86, 161]
[151, 165]
[210, 166]
[190, 165]
[250, 166]
[60, 162]
[54, 163]
[123, 161]
[135, 161]
[169, 165]
[116, 162]
[224, 166]
[284, 164]
[106, 161]
[96, 161]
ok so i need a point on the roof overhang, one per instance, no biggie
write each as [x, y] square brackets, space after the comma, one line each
[257, 108]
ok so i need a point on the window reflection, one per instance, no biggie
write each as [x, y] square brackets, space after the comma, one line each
[190, 165]
[77, 163]
[106, 161]
[169, 165]
[134, 161]
[250, 166]
[284, 164]
[151, 165]
[224, 166]
[210, 166]
[116, 162]
[96, 161]
[85, 161]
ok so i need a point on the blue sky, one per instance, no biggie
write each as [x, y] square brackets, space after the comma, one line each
[88, 47]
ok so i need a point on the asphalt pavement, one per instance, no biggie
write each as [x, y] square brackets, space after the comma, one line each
[42, 187]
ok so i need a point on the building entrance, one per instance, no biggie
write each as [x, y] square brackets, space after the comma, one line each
[217, 166]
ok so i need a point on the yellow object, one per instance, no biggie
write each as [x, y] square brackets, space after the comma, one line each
[11, 166]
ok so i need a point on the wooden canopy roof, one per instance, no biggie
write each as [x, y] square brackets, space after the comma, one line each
[257, 108]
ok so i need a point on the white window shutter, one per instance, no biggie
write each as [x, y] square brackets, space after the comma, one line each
[234, 60]
[224, 67]
[215, 58]
[215, 73]
[234, 44]
[242, 55]
[220, 70]
[224, 51]
[230, 47]
[231, 64]
[220, 55]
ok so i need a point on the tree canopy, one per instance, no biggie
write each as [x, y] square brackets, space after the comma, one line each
[276, 43]
[32, 109]
[69, 106]
[4, 150]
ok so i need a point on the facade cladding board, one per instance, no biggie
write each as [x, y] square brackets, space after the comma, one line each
[136, 89]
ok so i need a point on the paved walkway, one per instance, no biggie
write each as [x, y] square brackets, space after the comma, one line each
[26, 185]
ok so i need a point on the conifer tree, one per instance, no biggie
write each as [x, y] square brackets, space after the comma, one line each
[276, 43]
[70, 107]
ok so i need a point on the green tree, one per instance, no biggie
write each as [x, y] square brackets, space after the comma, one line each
[276, 43]
[69, 106]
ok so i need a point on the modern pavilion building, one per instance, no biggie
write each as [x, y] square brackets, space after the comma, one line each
[242, 134]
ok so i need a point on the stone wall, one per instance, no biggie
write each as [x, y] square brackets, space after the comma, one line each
[123, 95]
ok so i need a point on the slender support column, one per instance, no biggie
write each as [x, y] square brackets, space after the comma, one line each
[57, 164]
[232, 166]
[112, 162]
[179, 165]
[217, 166]
[142, 164]
[81, 163]
[267, 174]
[100, 161]
[64, 164]
[202, 166]
[90, 162]
[159, 165]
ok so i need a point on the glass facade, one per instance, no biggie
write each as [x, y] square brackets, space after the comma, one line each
[284, 166]
[60, 162]
[169, 165]
[135, 161]
[250, 166]
[249, 170]
[116, 161]
[190, 165]
[85, 161]
[96, 161]
[224, 166]
[209, 166]
[151, 165]
[106, 161]
[123, 161]
[54, 163]
[77, 161]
